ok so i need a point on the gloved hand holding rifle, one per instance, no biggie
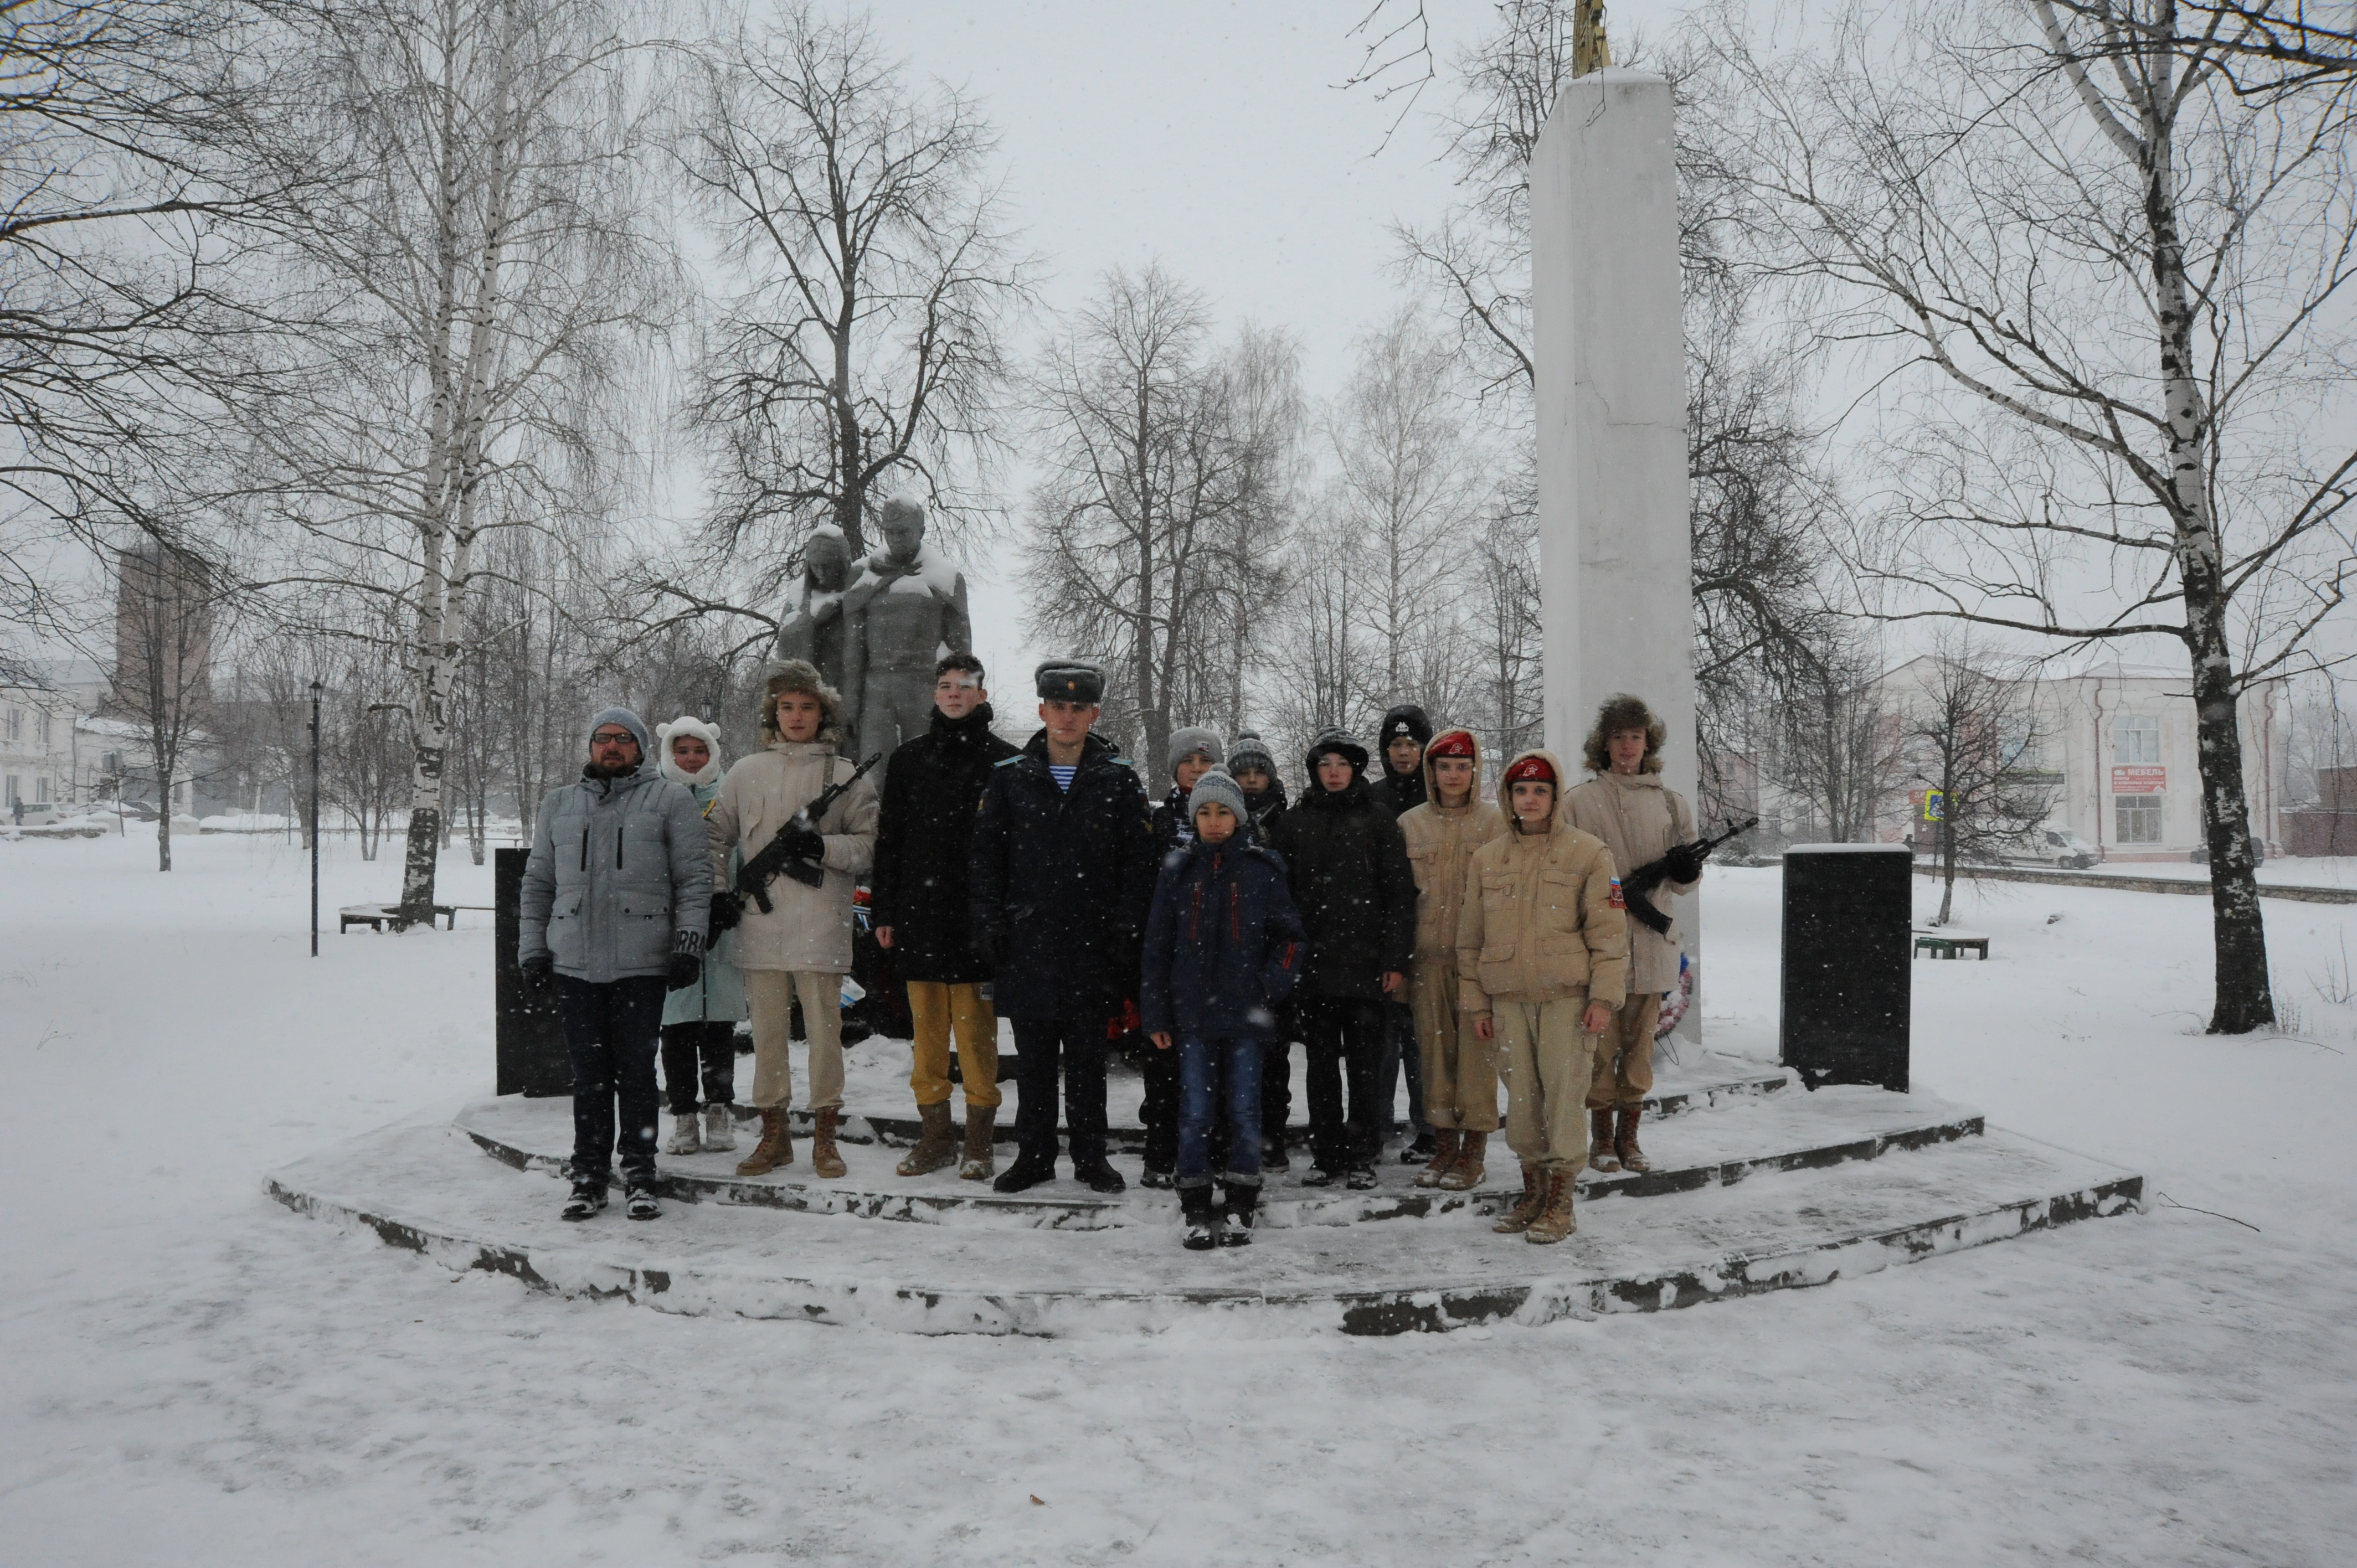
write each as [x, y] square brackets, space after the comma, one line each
[798, 848]
[1680, 862]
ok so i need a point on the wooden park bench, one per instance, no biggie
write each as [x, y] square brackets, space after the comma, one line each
[376, 917]
[1948, 944]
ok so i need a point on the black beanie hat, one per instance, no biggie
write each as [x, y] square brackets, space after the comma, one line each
[1405, 719]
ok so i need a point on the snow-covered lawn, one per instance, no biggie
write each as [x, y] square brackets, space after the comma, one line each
[188, 1372]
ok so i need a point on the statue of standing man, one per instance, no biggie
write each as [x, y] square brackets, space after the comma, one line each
[811, 629]
[905, 613]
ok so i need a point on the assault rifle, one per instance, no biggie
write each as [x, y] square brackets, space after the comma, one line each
[753, 877]
[1637, 887]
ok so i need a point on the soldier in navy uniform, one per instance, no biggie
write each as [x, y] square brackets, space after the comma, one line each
[1061, 874]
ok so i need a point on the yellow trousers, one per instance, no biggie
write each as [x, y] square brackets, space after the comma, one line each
[937, 1008]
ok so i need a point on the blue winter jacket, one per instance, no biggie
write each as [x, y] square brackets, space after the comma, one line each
[1223, 944]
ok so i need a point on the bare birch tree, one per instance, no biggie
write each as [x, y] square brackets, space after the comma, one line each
[168, 604]
[1970, 730]
[2108, 288]
[479, 280]
[1157, 452]
[861, 352]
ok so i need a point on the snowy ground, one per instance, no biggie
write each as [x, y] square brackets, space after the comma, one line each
[189, 1371]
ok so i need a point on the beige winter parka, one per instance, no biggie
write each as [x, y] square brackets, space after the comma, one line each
[809, 929]
[1542, 917]
[1440, 845]
[1639, 819]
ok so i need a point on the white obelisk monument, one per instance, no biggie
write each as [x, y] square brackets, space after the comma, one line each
[1615, 566]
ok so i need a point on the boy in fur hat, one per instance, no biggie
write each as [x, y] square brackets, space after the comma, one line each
[1626, 806]
[802, 946]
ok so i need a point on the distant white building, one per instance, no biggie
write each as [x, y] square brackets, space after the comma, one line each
[57, 750]
[2117, 741]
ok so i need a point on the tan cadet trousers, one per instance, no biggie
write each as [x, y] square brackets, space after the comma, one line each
[1549, 1065]
[1460, 1068]
[935, 1008]
[1624, 1066]
[769, 994]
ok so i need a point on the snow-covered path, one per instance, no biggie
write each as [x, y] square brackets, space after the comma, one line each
[187, 1370]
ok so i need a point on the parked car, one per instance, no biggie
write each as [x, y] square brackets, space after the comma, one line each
[2055, 844]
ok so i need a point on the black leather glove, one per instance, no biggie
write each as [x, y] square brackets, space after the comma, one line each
[687, 960]
[1683, 863]
[728, 908]
[802, 843]
[539, 972]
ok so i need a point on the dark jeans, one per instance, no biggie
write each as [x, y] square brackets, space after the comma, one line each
[610, 1035]
[1345, 1038]
[705, 1051]
[1219, 1083]
[1040, 1044]
[1400, 1054]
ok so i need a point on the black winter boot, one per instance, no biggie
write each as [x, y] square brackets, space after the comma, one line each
[589, 1198]
[1203, 1220]
[1027, 1171]
[1097, 1174]
[1244, 1199]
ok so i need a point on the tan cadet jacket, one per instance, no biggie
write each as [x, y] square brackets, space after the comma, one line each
[1440, 845]
[1639, 819]
[809, 929]
[1542, 919]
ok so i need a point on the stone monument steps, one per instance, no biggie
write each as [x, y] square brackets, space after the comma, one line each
[866, 1120]
[430, 1189]
[1745, 1137]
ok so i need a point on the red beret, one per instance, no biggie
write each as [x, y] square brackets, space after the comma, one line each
[1450, 743]
[1536, 768]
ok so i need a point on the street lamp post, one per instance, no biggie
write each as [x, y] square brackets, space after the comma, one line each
[315, 818]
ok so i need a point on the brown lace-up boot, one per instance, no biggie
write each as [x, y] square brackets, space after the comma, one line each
[1601, 1153]
[936, 1146]
[1526, 1209]
[1632, 1158]
[824, 1159]
[1466, 1173]
[981, 1161]
[776, 1147]
[1554, 1222]
[1444, 1158]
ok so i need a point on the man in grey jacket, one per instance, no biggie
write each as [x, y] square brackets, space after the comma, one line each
[616, 898]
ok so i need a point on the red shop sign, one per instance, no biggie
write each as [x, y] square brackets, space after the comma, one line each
[2143, 778]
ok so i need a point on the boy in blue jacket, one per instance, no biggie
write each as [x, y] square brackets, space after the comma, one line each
[1223, 947]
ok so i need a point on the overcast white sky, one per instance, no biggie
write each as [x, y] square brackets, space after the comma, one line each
[1211, 136]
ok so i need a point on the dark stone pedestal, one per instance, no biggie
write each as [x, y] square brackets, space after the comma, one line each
[531, 1043]
[1848, 909]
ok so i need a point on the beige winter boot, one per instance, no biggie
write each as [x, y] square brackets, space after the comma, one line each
[1526, 1209]
[1632, 1158]
[1466, 1175]
[825, 1160]
[981, 1160]
[1555, 1221]
[1601, 1155]
[776, 1147]
[936, 1148]
[1444, 1158]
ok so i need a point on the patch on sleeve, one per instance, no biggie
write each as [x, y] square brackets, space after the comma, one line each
[1618, 902]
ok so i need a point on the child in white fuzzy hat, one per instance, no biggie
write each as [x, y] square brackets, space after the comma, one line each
[699, 1022]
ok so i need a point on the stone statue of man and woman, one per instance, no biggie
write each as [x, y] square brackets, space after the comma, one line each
[877, 631]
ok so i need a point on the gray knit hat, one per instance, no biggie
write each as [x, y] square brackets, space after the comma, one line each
[1185, 743]
[1218, 785]
[1250, 751]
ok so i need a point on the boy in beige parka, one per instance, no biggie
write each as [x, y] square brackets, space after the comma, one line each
[1543, 962]
[1460, 1068]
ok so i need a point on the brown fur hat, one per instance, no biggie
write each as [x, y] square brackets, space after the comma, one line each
[800, 675]
[1620, 711]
